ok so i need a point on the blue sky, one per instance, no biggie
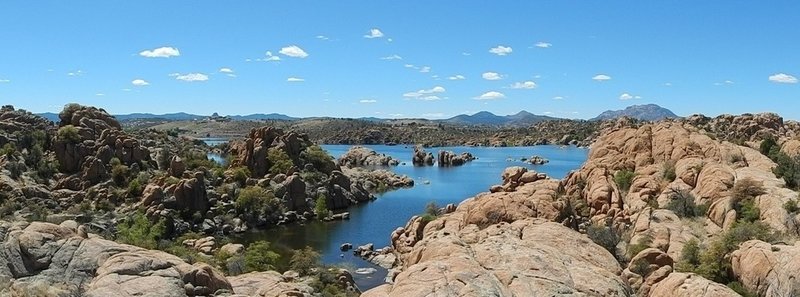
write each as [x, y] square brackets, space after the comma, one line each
[564, 58]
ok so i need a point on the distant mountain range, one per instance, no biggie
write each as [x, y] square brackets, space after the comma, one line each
[647, 112]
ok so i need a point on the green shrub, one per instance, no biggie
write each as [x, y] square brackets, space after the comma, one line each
[668, 171]
[9, 149]
[304, 260]
[68, 133]
[259, 257]
[690, 257]
[788, 168]
[767, 145]
[321, 207]
[119, 173]
[744, 193]
[240, 175]
[682, 203]
[791, 206]
[281, 162]
[135, 188]
[605, 237]
[318, 157]
[139, 231]
[256, 202]
[714, 262]
[739, 288]
[623, 178]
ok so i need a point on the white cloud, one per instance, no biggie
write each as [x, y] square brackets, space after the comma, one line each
[226, 70]
[191, 77]
[524, 85]
[466, 54]
[426, 94]
[726, 82]
[322, 37]
[457, 77]
[75, 73]
[126, 90]
[491, 95]
[425, 69]
[601, 77]
[99, 94]
[430, 98]
[5, 81]
[668, 84]
[295, 79]
[293, 51]
[783, 78]
[558, 98]
[367, 101]
[270, 57]
[139, 82]
[374, 33]
[409, 66]
[542, 44]
[501, 50]
[626, 96]
[161, 52]
[433, 115]
[392, 57]
[491, 76]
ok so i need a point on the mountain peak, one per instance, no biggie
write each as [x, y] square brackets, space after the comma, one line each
[644, 112]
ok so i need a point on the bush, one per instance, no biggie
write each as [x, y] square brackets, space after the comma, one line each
[642, 244]
[256, 202]
[135, 188]
[9, 149]
[318, 157]
[791, 206]
[668, 171]
[259, 257]
[682, 203]
[281, 163]
[240, 175]
[739, 288]
[605, 237]
[744, 193]
[68, 133]
[303, 261]
[767, 145]
[623, 178]
[139, 231]
[690, 257]
[119, 173]
[321, 207]
[788, 168]
[714, 263]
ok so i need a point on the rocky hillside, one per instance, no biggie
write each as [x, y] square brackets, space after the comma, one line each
[663, 209]
[647, 112]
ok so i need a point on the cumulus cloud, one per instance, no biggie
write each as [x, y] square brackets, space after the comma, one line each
[501, 50]
[322, 37]
[426, 94]
[293, 51]
[783, 78]
[626, 96]
[425, 69]
[139, 82]
[191, 77]
[295, 79]
[367, 101]
[601, 77]
[226, 70]
[374, 33]
[392, 57]
[457, 77]
[491, 95]
[543, 44]
[491, 76]
[161, 52]
[270, 57]
[524, 85]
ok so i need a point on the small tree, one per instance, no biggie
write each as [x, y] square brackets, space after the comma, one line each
[139, 231]
[682, 203]
[623, 178]
[281, 162]
[304, 260]
[321, 207]
[668, 171]
[68, 133]
[259, 257]
[690, 257]
[605, 237]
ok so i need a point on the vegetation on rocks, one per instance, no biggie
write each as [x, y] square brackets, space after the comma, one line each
[138, 230]
[623, 178]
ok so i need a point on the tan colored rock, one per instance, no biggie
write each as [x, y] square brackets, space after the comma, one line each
[768, 270]
[268, 284]
[689, 285]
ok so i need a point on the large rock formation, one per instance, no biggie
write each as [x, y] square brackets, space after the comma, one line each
[52, 260]
[768, 270]
[689, 285]
[358, 156]
[421, 157]
[448, 158]
[252, 152]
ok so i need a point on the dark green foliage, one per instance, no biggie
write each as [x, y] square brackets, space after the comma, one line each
[668, 171]
[240, 175]
[135, 188]
[119, 172]
[791, 206]
[767, 145]
[431, 212]
[690, 257]
[8, 150]
[255, 202]
[623, 178]
[739, 288]
[69, 133]
[281, 162]
[139, 231]
[321, 160]
[259, 257]
[714, 263]
[744, 193]
[788, 168]
[682, 203]
[605, 237]
[303, 261]
[321, 207]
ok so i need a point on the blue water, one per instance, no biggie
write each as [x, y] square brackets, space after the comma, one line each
[373, 222]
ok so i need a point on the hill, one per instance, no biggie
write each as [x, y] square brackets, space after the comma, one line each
[647, 112]
[489, 119]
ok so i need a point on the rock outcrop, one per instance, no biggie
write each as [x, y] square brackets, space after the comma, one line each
[766, 269]
[689, 285]
[358, 156]
[421, 157]
[448, 158]
[252, 152]
[379, 180]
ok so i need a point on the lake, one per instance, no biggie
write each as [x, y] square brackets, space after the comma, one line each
[374, 222]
